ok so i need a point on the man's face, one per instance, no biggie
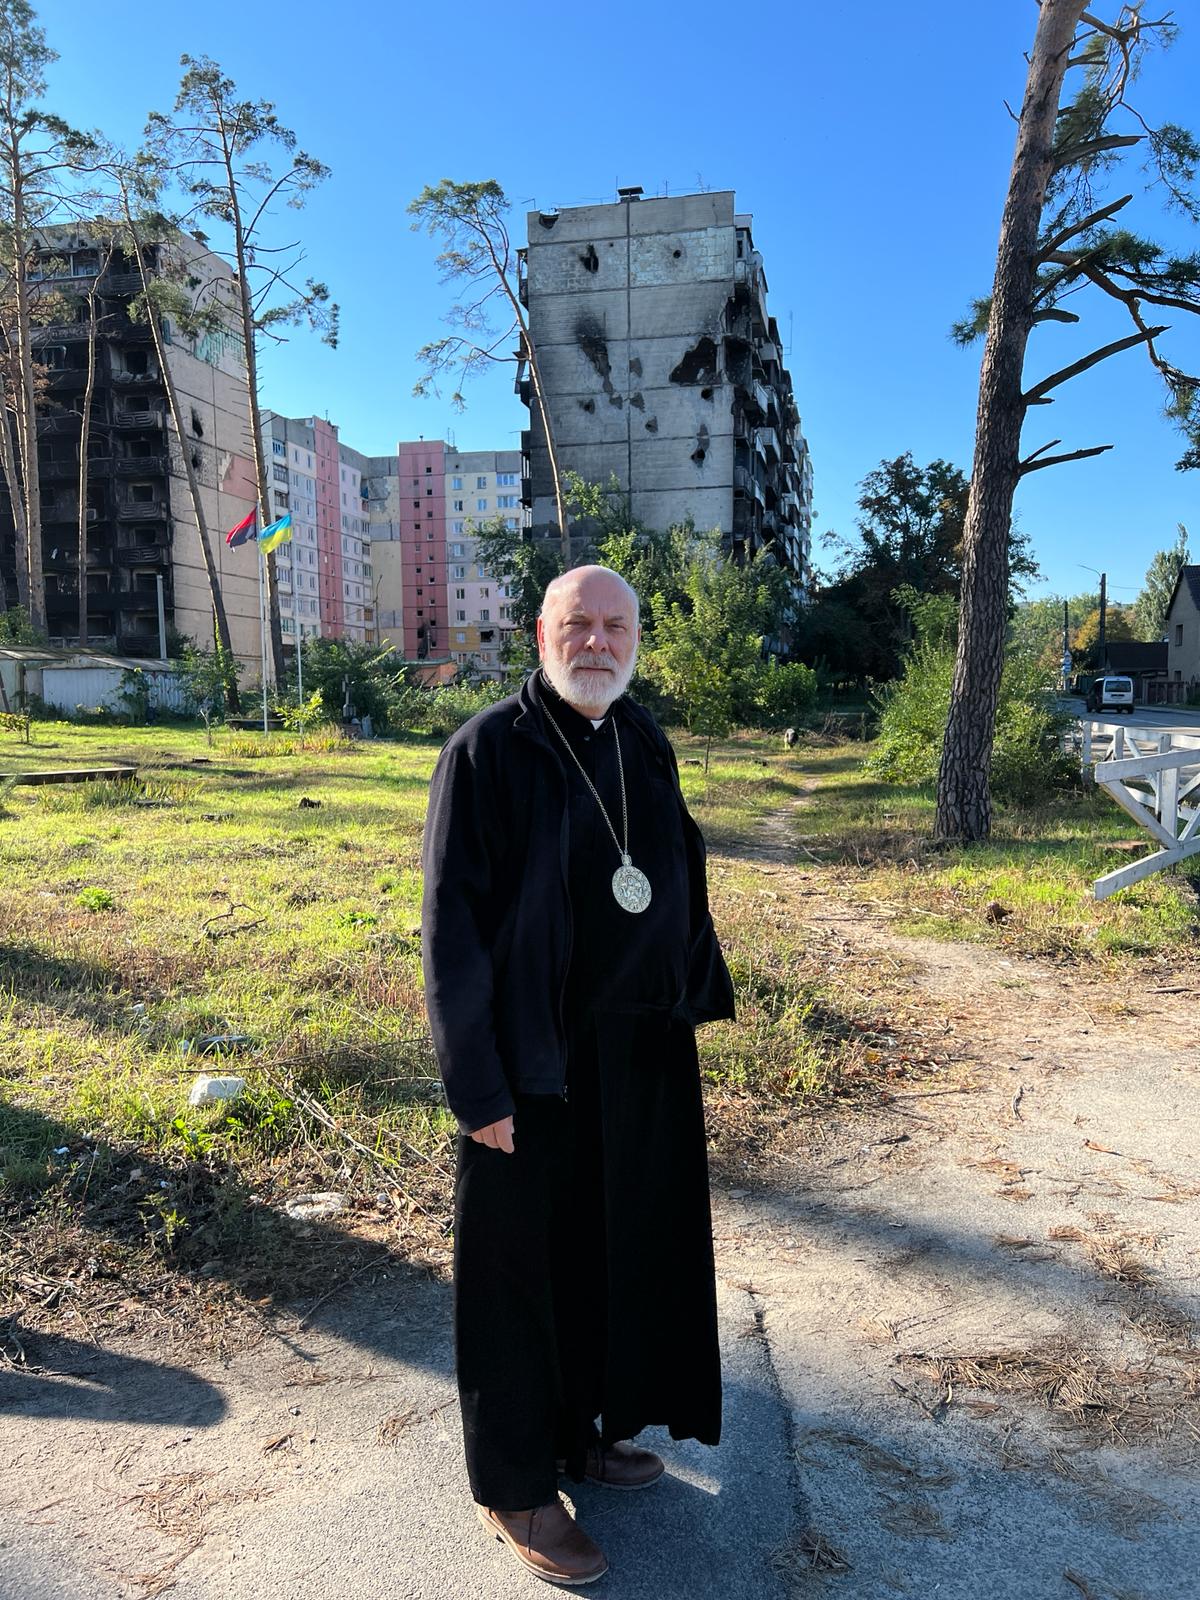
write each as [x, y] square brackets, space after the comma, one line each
[587, 639]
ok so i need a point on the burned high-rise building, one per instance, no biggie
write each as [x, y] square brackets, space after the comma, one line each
[140, 524]
[663, 370]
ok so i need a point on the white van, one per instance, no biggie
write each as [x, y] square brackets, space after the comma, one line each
[1111, 693]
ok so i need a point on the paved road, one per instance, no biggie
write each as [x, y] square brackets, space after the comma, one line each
[1163, 719]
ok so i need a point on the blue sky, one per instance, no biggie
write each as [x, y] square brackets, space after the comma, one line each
[873, 154]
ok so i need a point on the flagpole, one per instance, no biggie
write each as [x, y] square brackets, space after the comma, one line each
[299, 653]
[262, 630]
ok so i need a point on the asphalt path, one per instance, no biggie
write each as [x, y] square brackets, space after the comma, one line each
[1163, 719]
[290, 1488]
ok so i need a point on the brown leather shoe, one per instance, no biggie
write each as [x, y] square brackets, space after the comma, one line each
[549, 1542]
[623, 1466]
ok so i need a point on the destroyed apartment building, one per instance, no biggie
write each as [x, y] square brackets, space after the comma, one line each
[141, 526]
[662, 370]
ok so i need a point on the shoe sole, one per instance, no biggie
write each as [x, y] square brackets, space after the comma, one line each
[625, 1488]
[505, 1538]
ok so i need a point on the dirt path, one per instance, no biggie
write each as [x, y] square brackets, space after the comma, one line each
[981, 1301]
[960, 1345]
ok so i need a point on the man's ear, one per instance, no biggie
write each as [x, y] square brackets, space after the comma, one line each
[541, 638]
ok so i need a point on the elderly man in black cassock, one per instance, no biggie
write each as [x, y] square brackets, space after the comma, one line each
[569, 955]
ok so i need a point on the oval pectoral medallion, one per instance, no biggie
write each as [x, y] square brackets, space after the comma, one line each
[631, 888]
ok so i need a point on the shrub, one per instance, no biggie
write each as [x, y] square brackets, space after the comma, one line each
[448, 708]
[782, 694]
[1028, 759]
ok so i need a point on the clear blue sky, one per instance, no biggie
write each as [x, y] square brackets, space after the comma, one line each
[871, 145]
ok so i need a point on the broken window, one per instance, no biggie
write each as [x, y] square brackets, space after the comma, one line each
[141, 493]
[197, 425]
[699, 364]
[137, 362]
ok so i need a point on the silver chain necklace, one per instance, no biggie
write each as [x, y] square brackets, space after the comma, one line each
[631, 888]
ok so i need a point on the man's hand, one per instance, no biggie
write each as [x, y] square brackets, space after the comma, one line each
[499, 1135]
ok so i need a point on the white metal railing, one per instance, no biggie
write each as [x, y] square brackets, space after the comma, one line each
[1150, 774]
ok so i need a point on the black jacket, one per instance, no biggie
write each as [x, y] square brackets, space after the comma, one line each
[496, 916]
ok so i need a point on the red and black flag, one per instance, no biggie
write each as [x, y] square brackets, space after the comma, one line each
[246, 530]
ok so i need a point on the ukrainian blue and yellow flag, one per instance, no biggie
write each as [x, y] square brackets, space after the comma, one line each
[275, 533]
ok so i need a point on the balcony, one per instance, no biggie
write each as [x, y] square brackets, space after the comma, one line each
[141, 510]
[67, 380]
[142, 555]
[59, 332]
[766, 442]
[121, 283]
[126, 380]
[58, 471]
[141, 466]
[747, 484]
[126, 420]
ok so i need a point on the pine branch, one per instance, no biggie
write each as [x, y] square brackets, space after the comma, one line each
[1046, 253]
[1043, 388]
[1032, 465]
[1074, 154]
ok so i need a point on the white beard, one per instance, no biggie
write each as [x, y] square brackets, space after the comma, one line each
[595, 690]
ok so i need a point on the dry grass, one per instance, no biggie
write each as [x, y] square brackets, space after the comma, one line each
[180, 1507]
[887, 1469]
[809, 1552]
[1083, 1394]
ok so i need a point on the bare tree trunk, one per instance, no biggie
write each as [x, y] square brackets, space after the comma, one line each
[964, 800]
[275, 626]
[27, 414]
[12, 482]
[220, 620]
[529, 351]
[535, 376]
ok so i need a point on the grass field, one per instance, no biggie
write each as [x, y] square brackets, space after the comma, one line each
[239, 908]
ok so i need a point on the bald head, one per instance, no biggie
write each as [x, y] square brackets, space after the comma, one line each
[596, 583]
[587, 635]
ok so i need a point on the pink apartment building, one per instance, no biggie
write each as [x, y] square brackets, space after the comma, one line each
[421, 473]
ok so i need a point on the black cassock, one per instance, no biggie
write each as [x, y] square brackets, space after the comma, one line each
[585, 1299]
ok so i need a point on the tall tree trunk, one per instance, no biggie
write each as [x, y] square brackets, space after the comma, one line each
[12, 482]
[964, 800]
[529, 351]
[274, 624]
[220, 620]
[27, 414]
[85, 429]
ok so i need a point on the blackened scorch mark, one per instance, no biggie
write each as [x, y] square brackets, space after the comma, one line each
[699, 365]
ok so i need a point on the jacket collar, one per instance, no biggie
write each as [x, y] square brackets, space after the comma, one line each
[530, 721]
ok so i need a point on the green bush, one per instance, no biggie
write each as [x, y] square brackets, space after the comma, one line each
[446, 709]
[781, 694]
[1028, 759]
[912, 716]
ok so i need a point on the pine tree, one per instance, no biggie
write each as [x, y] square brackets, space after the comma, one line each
[1056, 239]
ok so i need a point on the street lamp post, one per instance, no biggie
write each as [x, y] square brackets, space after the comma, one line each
[1100, 643]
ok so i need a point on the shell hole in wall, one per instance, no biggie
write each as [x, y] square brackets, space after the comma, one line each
[706, 394]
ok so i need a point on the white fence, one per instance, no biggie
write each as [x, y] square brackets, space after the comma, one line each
[1155, 777]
